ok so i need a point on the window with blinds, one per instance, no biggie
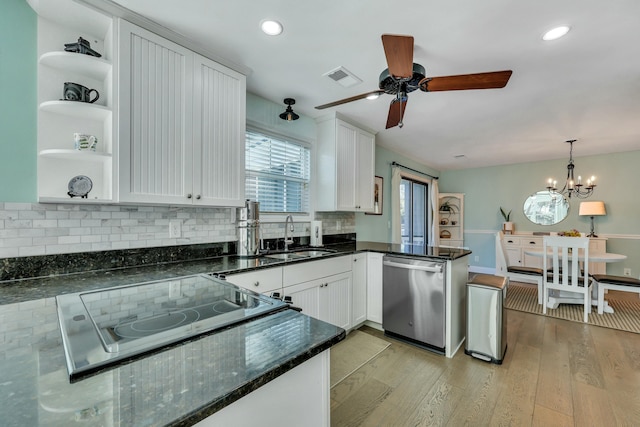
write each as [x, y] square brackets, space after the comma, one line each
[277, 174]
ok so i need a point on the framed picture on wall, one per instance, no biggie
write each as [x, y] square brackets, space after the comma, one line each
[377, 196]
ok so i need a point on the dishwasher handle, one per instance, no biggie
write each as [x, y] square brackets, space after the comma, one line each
[437, 269]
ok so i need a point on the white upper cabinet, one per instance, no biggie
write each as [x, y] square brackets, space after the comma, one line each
[181, 124]
[346, 163]
[219, 126]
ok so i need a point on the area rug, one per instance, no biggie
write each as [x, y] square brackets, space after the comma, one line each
[626, 315]
[351, 354]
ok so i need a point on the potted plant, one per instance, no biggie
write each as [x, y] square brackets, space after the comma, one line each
[507, 226]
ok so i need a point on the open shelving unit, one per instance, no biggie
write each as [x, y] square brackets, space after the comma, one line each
[451, 219]
[58, 160]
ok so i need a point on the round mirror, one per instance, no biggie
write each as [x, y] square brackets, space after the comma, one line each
[546, 208]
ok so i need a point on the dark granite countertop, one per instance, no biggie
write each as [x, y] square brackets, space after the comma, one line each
[184, 383]
[177, 386]
[13, 291]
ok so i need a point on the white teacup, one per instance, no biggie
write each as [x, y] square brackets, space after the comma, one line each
[85, 142]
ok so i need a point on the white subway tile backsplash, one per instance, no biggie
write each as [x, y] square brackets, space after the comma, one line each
[40, 229]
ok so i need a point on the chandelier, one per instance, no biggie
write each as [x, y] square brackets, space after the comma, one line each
[572, 188]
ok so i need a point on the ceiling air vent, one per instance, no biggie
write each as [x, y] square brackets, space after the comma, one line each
[343, 76]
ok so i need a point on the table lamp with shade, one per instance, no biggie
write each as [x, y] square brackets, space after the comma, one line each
[591, 209]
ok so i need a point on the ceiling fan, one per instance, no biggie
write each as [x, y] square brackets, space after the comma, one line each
[404, 76]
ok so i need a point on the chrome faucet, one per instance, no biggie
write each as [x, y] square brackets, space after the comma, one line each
[288, 240]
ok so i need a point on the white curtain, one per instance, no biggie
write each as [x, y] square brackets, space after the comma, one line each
[396, 220]
[434, 237]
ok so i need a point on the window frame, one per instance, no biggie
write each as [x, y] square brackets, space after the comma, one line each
[268, 217]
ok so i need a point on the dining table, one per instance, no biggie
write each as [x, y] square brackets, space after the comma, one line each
[565, 297]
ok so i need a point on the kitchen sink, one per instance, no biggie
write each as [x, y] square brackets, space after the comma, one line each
[286, 256]
[313, 252]
[299, 254]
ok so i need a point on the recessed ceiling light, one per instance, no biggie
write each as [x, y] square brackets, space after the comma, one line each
[270, 27]
[555, 33]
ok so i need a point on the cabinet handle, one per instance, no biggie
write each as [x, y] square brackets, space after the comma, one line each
[189, 196]
[198, 197]
[256, 284]
[532, 243]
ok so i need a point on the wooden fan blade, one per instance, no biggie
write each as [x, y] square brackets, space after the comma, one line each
[399, 53]
[492, 80]
[353, 98]
[396, 112]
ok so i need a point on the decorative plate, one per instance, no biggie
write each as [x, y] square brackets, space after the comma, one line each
[79, 186]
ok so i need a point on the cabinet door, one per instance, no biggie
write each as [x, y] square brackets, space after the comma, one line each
[306, 296]
[327, 299]
[374, 287]
[335, 300]
[219, 134]
[513, 253]
[346, 159]
[359, 289]
[364, 168]
[155, 116]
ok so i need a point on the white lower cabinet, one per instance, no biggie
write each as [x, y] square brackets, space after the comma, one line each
[374, 287]
[344, 291]
[359, 289]
[321, 288]
[327, 299]
[299, 397]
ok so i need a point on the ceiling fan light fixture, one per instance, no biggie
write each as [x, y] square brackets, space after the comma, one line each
[372, 96]
[555, 33]
[288, 114]
[271, 27]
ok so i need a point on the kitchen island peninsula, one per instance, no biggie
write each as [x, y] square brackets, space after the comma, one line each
[205, 378]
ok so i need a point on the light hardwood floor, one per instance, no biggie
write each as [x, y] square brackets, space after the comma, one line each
[555, 373]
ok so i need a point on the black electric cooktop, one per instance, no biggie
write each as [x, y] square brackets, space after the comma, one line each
[102, 327]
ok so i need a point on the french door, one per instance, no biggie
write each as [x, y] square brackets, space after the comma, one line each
[414, 204]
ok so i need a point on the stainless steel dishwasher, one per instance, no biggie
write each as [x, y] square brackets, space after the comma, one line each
[413, 301]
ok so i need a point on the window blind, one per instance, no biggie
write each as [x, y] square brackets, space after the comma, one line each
[277, 174]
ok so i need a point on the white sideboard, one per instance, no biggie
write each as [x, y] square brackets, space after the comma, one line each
[516, 245]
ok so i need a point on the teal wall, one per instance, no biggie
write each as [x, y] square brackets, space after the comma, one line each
[18, 86]
[376, 228]
[264, 114]
[486, 189]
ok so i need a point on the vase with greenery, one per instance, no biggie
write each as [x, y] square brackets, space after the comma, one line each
[507, 225]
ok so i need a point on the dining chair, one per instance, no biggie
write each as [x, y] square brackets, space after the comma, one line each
[516, 272]
[565, 271]
[617, 283]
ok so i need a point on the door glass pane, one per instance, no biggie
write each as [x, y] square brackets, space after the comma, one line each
[419, 213]
[413, 212]
[405, 211]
